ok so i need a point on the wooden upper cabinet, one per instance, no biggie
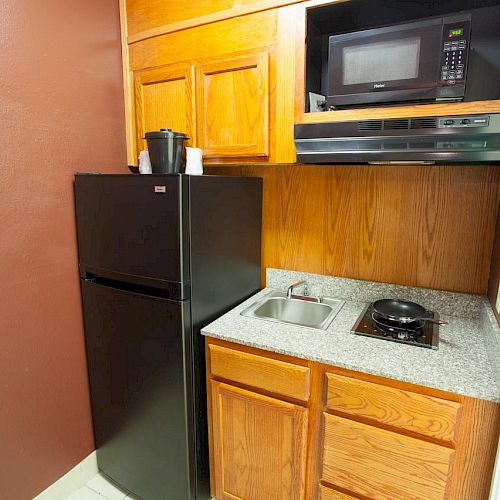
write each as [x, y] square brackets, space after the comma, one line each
[259, 445]
[244, 81]
[233, 106]
[165, 98]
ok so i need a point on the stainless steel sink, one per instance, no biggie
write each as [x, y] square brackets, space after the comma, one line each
[275, 306]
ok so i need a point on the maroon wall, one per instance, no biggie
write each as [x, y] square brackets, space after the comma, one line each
[61, 110]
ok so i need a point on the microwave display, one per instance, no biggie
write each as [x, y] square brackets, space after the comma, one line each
[455, 32]
[417, 61]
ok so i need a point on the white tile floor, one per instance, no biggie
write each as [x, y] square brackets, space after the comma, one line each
[99, 488]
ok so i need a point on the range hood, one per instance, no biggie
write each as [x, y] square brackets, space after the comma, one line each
[470, 138]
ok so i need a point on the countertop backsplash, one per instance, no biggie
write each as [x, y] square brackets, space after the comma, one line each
[442, 302]
[491, 333]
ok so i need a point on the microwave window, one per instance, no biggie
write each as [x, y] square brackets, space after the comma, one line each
[381, 61]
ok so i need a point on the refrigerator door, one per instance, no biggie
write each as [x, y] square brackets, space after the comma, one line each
[134, 228]
[139, 354]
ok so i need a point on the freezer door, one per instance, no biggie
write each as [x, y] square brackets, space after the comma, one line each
[134, 228]
[139, 354]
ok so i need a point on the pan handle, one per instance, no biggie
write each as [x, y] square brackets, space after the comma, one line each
[433, 320]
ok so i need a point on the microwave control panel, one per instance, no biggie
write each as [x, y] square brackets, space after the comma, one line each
[454, 52]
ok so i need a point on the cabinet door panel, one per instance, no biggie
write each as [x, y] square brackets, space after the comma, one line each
[259, 445]
[383, 465]
[233, 97]
[165, 98]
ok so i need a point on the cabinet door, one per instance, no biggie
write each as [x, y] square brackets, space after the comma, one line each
[233, 106]
[165, 98]
[259, 445]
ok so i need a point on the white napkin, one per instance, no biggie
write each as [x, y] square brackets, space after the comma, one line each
[193, 161]
[144, 163]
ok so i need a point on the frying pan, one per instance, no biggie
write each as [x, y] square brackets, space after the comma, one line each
[403, 311]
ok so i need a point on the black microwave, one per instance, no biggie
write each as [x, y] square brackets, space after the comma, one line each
[450, 58]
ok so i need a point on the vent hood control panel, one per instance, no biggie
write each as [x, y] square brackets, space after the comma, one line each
[464, 121]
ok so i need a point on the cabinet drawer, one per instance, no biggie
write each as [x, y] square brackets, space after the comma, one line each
[329, 494]
[407, 410]
[380, 464]
[271, 375]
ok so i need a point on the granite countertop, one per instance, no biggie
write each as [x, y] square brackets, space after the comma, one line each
[463, 364]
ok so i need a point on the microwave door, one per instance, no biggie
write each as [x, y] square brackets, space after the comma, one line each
[385, 64]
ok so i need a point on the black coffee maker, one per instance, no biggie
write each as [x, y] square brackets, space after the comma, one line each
[166, 150]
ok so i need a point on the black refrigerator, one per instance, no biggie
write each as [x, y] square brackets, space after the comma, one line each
[160, 256]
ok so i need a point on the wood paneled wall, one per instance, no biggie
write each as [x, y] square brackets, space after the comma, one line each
[427, 226]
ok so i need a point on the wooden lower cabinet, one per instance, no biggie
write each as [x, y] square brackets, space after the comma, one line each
[338, 434]
[404, 410]
[259, 445]
[381, 464]
[270, 375]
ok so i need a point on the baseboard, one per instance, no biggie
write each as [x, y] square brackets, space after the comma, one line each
[72, 480]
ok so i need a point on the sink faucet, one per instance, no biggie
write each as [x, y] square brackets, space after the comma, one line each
[295, 285]
[305, 293]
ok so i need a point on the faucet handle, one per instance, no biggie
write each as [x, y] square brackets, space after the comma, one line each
[316, 291]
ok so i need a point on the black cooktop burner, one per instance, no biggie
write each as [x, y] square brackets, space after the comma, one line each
[418, 333]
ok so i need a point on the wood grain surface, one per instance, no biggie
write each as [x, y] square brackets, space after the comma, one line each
[329, 494]
[284, 87]
[225, 37]
[259, 445]
[147, 14]
[416, 110]
[156, 91]
[150, 18]
[261, 372]
[426, 226]
[315, 431]
[233, 105]
[383, 465]
[406, 410]
[476, 450]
